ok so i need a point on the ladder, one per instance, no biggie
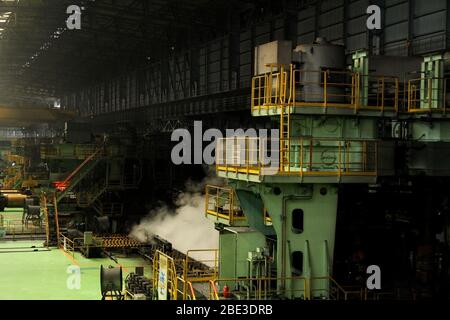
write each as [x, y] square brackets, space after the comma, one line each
[87, 198]
[285, 122]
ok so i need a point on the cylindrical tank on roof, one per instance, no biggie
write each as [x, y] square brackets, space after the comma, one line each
[314, 60]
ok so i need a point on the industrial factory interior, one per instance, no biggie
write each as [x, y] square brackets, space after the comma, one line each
[225, 150]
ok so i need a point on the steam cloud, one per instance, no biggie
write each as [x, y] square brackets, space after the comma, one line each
[186, 226]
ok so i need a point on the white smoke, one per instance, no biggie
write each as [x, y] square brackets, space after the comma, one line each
[186, 226]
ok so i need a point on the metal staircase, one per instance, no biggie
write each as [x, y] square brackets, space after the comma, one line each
[76, 176]
[87, 198]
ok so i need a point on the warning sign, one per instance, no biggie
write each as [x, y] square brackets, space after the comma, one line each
[162, 278]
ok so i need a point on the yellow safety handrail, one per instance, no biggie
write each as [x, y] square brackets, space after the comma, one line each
[428, 95]
[380, 92]
[15, 227]
[307, 157]
[80, 151]
[187, 292]
[66, 244]
[213, 294]
[259, 288]
[259, 94]
[191, 290]
[323, 88]
[222, 202]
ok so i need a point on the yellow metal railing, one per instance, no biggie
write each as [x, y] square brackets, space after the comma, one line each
[261, 288]
[266, 288]
[270, 89]
[222, 202]
[213, 293]
[15, 227]
[305, 157]
[66, 244]
[191, 295]
[187, 290]
[18, 160]
[301, 287]
[259, 87]
[378, 93]
[324, 88]
[78, 150]
[428, 95]
[15, 176]
[181, 286]
[219, 200]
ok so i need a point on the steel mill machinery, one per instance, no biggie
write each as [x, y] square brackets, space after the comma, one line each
[24, 168]
[20, 180]
[347, 133]
[89, 186]
[21, 167]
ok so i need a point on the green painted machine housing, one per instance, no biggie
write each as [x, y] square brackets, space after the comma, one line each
[336, 127]
[303, 209]
[304, 221]
[304, 257]
[234, 245]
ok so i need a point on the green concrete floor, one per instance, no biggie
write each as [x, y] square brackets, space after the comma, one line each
[26, 274]
[13, 214]
[43, 275]
[12, 221]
